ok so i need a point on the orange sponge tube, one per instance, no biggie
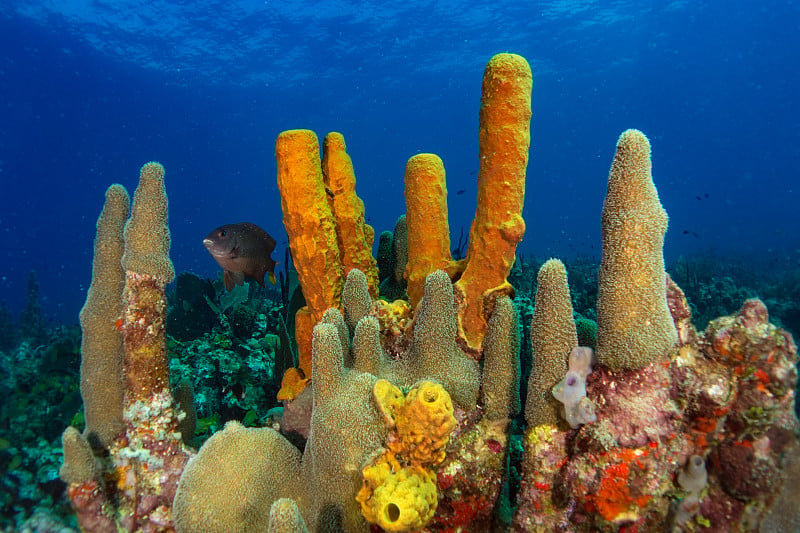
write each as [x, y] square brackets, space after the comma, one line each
[354, 235]
[308, 220]
[311, 228]
[426, 218]
[497, 228]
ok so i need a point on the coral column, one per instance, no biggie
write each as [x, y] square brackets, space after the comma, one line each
[148, 269]
[498, 227]
[634, 325]
[101, 342]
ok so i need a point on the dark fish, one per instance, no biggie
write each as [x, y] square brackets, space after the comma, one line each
[243, 251]
[459, 192]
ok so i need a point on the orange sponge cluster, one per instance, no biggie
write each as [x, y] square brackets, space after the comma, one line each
[329, 237]
[324, 220]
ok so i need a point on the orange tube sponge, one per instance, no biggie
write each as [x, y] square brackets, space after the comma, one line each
[308, 220]
[311, 228]
[294, 380]
[354, 235]
[498, 227]
[634, 325]
[426, 220]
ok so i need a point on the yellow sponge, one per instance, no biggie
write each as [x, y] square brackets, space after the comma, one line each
[424, 424]
[397, 498]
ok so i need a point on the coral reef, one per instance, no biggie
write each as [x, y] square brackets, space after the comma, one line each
[39, 386]
[330, 466]
[408, 406]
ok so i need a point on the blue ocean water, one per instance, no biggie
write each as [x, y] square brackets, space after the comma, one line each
[91, 90]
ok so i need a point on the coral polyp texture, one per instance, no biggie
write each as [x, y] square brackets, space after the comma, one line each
[634, 326]
[412, 398]
[123, 471]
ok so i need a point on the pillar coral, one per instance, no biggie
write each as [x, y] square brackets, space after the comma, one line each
[131, 484]
[634, 325]
[504, 140]
[101, 342]
[148, 269]
[553, 336]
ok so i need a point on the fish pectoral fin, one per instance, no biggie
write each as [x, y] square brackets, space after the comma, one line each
[232, 278]
[272, 277]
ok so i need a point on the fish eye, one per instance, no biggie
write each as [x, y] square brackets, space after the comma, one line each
[222, 233]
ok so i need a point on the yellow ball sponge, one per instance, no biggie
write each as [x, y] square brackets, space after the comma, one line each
[397, 498]
[424, 422]
[308, 220]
